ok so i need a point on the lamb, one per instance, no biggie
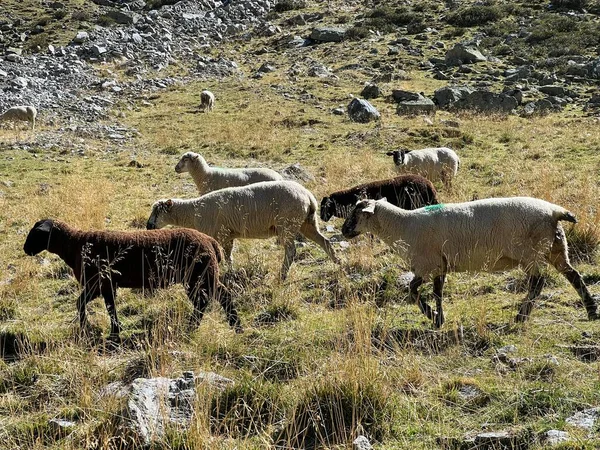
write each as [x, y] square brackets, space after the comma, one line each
[433, 163]
[406, 191]
[103, 261]
[207, 101]
[484, 235]
[209, 179]
[258, 211]
[24, 113]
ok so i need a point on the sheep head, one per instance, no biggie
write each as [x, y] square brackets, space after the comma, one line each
[399, 156]
[38, 238]
[158, 218]
[184, 162]
[357, 221]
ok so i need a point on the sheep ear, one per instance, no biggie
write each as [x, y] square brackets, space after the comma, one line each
[169, 204]
[44, 225]
[369, 209]
[382, 199]
[389, 153]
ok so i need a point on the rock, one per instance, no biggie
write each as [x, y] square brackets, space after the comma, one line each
[123, 17]
[328, 34]
[463, 54]
[500, 440]
[98, 50]
[593, 69]
[553, 90]
[361, 443]
[156, 404]
[451, 123]
[13, 57]
[507, 349]
[554, 437]
[82, 36]
[266, 68]
[14, 51]
[371, 91]
[61, 428]
[405, 279]
[487, 102]
[297, 173]
[362, 111]
[448, 95]
[400, 95]
[585, 419]
[539, 107]
[320, 71]
[339, 111]
[422, 105]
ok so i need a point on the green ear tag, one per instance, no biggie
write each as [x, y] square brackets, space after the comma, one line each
[434, 207]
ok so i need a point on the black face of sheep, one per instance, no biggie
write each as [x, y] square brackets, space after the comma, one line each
[327, 209]
[163, 206]
[38, 238]
[362, 211]
[398, 156]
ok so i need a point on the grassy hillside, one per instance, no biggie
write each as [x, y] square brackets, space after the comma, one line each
[333, 351]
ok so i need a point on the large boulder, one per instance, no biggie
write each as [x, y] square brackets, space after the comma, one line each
[419, 105]
[371, 90]
[156, 404]
[328, 34]
[463, 54]
[487, 102]
[593, 69]
[362, 111]
[446, 96]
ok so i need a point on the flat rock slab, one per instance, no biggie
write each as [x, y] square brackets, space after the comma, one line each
[328, 34]
[585, 419]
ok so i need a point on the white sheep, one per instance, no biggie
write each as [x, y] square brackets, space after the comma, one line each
[207, 101]
[279, 209]
[439, 163]
[209, 179]
[24, 113]
[485, 235]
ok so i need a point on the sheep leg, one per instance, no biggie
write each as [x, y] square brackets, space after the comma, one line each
[559, 258]
[414, 296]
[109, 300]
[536, 284]
[86, 296]
[290, 254]
[310, 230]
[224, 296]
[438, 288]
[227, 250]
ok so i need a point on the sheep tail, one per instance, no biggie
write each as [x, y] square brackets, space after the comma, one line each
[566, 215]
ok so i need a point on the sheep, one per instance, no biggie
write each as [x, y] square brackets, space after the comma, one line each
[103, 261]
[207, 101]
[433, 163]
[484, 235]
[24, 113]
[406, 191]
[209, 179]
[279, 209]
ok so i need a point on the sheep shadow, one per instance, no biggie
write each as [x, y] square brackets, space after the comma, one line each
[16, 345]
[432, 342]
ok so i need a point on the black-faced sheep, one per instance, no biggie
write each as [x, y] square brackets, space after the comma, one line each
[23, 113]
[209, 179]
[279, 209]
[484, 235]
[406, 191]
[103, 261]
[436, 164]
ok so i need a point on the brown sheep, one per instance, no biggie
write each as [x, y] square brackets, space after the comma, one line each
[103, 261]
